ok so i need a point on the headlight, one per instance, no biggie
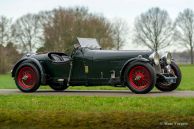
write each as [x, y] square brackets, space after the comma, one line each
[155, 57]
[168, 58]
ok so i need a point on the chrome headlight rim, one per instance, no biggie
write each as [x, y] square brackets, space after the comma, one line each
[155, 57]
[168, 58]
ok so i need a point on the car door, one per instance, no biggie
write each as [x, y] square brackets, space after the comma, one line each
[78, 76]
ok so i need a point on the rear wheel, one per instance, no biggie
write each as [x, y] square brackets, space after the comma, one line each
[27, 77]
[165, 86]
[140, 77]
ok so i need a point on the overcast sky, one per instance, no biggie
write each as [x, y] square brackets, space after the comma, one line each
[126, 9]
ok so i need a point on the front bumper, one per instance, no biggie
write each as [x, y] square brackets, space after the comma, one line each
[170, 78]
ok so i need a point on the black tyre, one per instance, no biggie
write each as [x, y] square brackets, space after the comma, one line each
[165, 86]
[140, 77]
[27, 77]
[58, 87]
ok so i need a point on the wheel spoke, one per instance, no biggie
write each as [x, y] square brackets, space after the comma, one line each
[26, 77]
[139, 77]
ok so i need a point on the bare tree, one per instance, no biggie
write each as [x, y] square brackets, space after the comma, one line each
[5, 31]
[57, 31]
[153, 29]
[184, 32]
[8, 56]
[65, 24]
[27, 32]
[5, 36]
[98, 27]
[120, 32]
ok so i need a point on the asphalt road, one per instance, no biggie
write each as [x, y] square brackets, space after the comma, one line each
[98, 93]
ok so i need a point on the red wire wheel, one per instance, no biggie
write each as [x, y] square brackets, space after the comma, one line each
[27, 78]
[139, 77]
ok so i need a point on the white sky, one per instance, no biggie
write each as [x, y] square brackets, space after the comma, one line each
[126, 9]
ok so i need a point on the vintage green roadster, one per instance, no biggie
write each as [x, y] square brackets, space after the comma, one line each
[88, 65]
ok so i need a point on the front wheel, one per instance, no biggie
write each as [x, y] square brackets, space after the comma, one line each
[27, 77]
[165, 86]
[140, 77]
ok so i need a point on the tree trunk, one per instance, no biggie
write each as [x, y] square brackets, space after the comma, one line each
[191, 55]
[118, 46]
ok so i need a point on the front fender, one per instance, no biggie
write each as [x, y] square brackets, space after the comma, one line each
[137, 59]
[36, 62]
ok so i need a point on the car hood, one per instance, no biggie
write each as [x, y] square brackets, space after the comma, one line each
[113, 54]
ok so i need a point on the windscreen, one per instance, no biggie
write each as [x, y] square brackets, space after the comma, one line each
[89, 43]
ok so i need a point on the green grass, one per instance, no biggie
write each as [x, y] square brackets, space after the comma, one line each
[187, 77]
[6, 82]
[169, 105]
[27, 111]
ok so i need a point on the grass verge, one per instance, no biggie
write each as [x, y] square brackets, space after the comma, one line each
[27, 111]
[94, 120]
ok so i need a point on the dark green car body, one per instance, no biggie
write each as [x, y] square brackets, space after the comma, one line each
[90, 66]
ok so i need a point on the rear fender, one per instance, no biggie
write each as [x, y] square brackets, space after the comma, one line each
[36, 62]
[133, 60]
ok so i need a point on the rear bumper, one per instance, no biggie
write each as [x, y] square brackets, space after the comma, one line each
[170, 78]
